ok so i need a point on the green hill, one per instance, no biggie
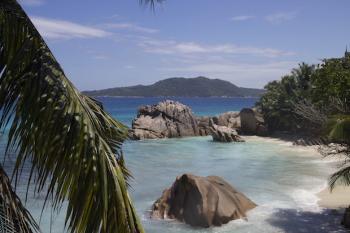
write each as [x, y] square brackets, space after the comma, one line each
[184, 87]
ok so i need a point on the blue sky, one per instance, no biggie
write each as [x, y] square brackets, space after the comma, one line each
[109, 43]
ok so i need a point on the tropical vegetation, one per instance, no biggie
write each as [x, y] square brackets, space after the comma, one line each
[72, 145]
[313, 99]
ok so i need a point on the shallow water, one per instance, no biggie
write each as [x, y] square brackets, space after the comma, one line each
[282, 179]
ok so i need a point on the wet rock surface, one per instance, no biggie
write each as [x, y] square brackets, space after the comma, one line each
[224, 134]
[201, 201]
[166, 119]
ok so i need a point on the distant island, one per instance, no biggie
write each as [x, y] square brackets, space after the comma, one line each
[181, 87]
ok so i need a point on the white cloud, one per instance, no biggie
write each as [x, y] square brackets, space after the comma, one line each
[61, 29]
[31, 2]
[129, 67]
[130, 27]
[242, 17]
[280, 17]
[185, 48]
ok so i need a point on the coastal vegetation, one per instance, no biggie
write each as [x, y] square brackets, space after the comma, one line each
[72, 145]
[182, 87]
[313, 100]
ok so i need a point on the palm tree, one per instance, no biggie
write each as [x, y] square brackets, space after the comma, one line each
[72, 144]
[13, 215]
[339, 131]
[303, 75]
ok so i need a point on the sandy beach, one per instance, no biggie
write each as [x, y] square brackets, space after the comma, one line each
[338, 198]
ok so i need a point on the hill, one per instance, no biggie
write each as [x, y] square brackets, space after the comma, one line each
[184, 87]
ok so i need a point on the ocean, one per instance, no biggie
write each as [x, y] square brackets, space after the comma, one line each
[282, 179]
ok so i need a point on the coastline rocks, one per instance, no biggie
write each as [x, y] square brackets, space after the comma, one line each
[224, 134]
[201, 201]
[310, 141]
[252, 122]
[169, 119]
[204, 125]
[166, 119]
[228, 119]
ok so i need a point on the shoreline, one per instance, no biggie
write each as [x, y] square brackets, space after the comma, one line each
[339, 198]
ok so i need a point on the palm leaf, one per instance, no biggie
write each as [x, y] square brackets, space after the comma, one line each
[14, 218]
[73, 145]
[340, 177]
[151, 3]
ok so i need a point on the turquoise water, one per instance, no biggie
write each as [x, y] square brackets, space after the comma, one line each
[280, 178]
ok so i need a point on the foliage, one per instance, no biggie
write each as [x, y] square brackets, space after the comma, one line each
[339, 128]
[72, 144]
[278, 103]
[342, 176]
[314, 99]
[14, 217]
[319, 88]
[332, 80]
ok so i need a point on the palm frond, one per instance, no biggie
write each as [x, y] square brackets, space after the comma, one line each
[340, 177]
[151, 3]
[14, 217]
[72, 143]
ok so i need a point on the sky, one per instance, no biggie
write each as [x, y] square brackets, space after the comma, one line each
[111, 43]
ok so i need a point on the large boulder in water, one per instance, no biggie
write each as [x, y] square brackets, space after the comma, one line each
[166, 119]
[201, 201]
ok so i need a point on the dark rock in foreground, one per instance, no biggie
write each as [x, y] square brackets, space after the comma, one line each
[166, 119]
[224, 134]
[201, 201]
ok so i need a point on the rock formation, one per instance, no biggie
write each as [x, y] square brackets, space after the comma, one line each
[252, 122]
[224, 134]
[228, 119]
[169, 119]
[201, 201]
[203, 123]
[166, 119]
